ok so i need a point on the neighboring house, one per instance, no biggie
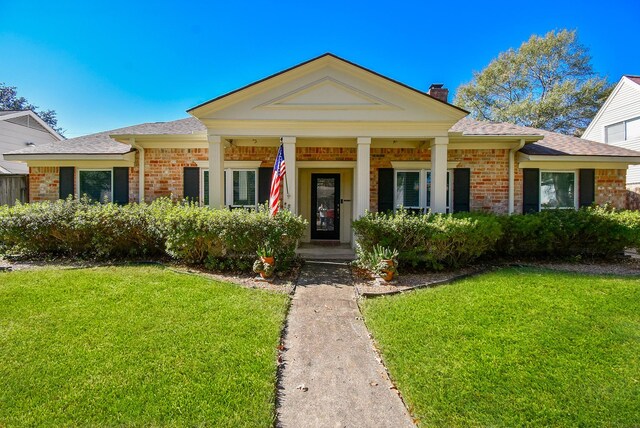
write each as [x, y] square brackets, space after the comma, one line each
[618, 123]
[19, 129]
[354, 140]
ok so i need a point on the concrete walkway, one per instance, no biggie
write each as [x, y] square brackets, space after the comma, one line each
[332, 376]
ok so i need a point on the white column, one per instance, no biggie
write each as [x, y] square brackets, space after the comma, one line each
[216, 171]
[362, 176]
[291, 186]
[439, 174]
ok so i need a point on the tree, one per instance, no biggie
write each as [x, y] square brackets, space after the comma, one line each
[547, 83]
[9, 100]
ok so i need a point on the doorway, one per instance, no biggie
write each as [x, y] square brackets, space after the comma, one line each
[325, 206]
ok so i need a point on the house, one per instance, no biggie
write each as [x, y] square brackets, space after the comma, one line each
[20, 129]
[617, 123]
[354, 140]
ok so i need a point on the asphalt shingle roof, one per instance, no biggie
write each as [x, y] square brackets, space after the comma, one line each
[635, 79]
[553, 143]
[102, 143]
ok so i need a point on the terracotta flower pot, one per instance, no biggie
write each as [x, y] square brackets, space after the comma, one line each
[387, 275]
[268, 260]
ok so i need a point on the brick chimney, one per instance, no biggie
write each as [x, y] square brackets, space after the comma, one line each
[436, 90]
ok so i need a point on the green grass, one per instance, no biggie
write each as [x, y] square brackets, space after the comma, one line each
[515, 347]
[135, 346]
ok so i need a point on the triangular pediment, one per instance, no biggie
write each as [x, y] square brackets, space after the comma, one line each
[328, 93]
[328, 89]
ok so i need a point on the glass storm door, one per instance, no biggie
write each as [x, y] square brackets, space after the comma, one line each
[325, 206]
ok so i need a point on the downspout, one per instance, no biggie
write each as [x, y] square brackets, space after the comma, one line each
[140, 150]
[512, 155]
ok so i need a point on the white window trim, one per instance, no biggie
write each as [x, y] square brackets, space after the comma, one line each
[78, 171]
[423, 189]
[575, 189]
[228, 191]
[604, 129]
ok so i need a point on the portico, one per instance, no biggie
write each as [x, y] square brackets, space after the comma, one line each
[331, 115]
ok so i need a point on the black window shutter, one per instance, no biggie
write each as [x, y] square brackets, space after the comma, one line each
[587, 185]
[531, 190]
[385, 189]
[192, 183]
[121, 185]
[461, 189]
[264, 184]
[67, 181]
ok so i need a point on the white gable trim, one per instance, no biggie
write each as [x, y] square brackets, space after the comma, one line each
[327, 60]
[624, 80]
[34, 117]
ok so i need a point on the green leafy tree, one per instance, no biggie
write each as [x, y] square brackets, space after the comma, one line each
[9, 100]
[547, 83]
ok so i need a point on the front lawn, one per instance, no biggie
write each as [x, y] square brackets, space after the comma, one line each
[123, 346]
[515, 347]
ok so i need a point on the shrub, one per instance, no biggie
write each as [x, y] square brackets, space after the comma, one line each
[588, 232]
[220, 239]
[78, 228]
[434, 241]
[437, 241]
[229, 239]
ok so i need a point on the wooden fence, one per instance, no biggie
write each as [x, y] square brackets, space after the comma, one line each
[13, 188]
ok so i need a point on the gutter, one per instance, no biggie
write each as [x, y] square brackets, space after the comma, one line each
[512, 154]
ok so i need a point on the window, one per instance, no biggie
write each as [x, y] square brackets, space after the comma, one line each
[240, 191]
[622, 131]
[413, 189]
[96, 184]
[408, 189]
[243, 188]
[557, 189]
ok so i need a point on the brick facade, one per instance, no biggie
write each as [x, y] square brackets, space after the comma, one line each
[382, 158]
[611, 187]
[163, 171]
[489, 173]
[325, 154]
[44, 183]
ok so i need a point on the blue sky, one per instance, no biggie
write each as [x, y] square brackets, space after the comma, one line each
[103, 65]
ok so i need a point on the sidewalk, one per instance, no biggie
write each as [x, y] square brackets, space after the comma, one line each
[332, 376]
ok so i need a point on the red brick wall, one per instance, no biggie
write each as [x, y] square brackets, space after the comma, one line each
[489, 173]
[247, 153]
[163, 171]
[325, 154]
[382, 158]
[611, 187]
[44, 183]
[489, 178]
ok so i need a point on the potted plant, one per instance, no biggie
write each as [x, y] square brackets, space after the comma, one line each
[265, 265]
[386, 262]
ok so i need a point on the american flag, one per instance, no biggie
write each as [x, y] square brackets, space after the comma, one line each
[279, 170]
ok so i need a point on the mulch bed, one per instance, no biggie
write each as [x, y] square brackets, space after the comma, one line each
[368, 286]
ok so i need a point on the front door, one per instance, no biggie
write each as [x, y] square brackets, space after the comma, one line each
[325, 206]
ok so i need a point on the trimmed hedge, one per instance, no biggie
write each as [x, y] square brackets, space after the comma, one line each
[438, 241]
[434, 241]
[595, 232]
[219, 239]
